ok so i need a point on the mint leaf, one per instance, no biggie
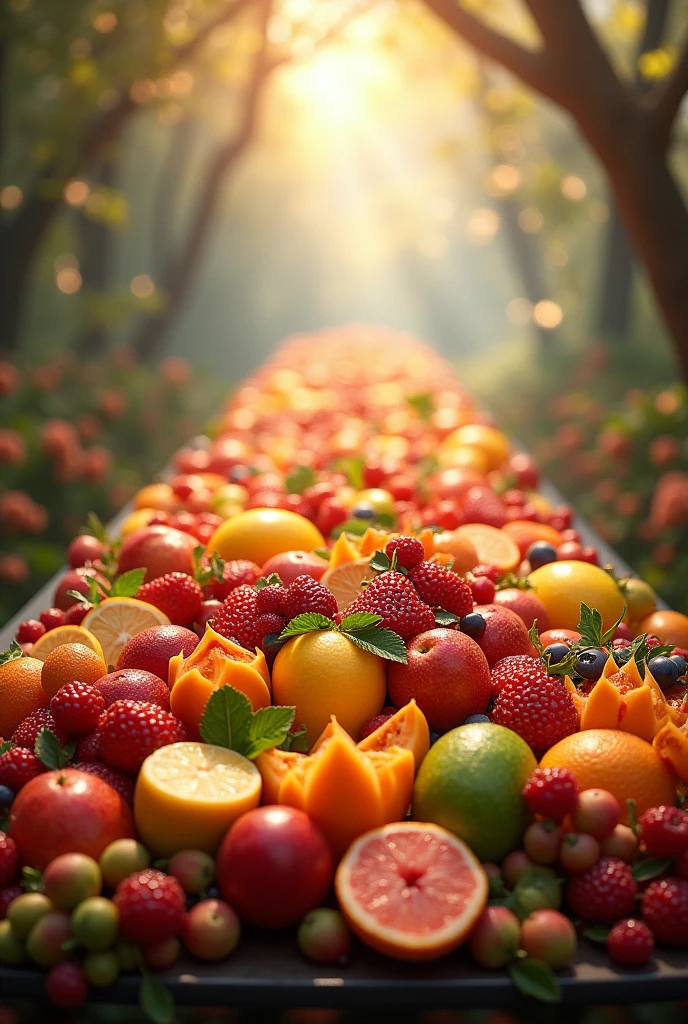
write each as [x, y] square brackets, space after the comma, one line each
[13, 652]
[597, 933]
[155, 1000]
[309, 622]
[32, 880]
[650, 867]
[297, 741]
[299, 478]
[535, 638]
[359, 620]
[445, 618]
[385, 643]
[590, 626]
[128, 584]
[380, 562]
[49, 751]
[537, 979]
[226, 718]
[273, 580]
[5, 746]
[267, 728]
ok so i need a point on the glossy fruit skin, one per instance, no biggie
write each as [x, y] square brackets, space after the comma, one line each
[472, 625]
[495, 937]
[152, 649]
[84, 548]
[133, 684]
[591, 662]
[95, 922]
[71, 878]
[122, 858]
[131, 730]
[101, 968]
[77, 707]
[161, 955]
[664, 831]
[514, 866]
[295, 563]
[76, 579]
[193, 869]
[563, 585]
[151, 906]
[540, 553]
[665, 910]
[25, 910]
[549, 936]
[541, 841]
[66, 985]
[273, 866]
[44, 941]
[551, 793]
[67, 811]
[537, 706]
[622, 843]
[578, 852]
[605, 892]
[630, 942]
[524, 604]
[597, 813]
[557, 652]
[505, 633]
[158, 549]
[664, 671]
[324, 937]
[211, 930]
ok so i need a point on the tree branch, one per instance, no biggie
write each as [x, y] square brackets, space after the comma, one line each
[666, 98]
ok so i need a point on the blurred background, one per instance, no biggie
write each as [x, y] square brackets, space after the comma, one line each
[185, 182]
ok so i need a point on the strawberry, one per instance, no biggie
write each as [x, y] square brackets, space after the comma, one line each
[123, 784]
[29, 631]
[409, 550]
[77, 707]
[133, 729]
[271, 622]
[90, 747]
[234, 574]
[9, 859]
[17, 767]
[26, 733]
[441, 588]
[394, 597]
[271, 599]
[151, 906]
[536, 706]
[665, 910]
[176, 594]
[237, 616]
[307, 595]
[482, 505]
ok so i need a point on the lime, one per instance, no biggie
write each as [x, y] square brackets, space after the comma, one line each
[470, 782]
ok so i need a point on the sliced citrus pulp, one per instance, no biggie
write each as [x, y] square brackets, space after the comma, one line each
[116, 619]
[492, 546]
[61, 635]
[188, 794]
[344, 581]
[411, 890]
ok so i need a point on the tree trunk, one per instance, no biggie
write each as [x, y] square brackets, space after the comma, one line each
[96, 259]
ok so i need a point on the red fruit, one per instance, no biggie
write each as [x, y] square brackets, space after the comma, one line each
[7, 894]
[514, 865]
[295, 563]
[19, 766]
[445, 513]
[76, 579]
[234, 574]
[332, 513]
[665, 910]
[274, 865]
[133, 729]
[446, 673]
[307, 595]
[549, 936]
[525, 471]
[527, 606]
[664, 831]
[550, 792]
[622, 843]
[29, 631]
[630, 943]
[89, 747]
[482, 505]
[271, 622]
[176, 594]
[236, 619]
[26, 733]
[570, 550]
[536, 706]
[158, 549]
[492, 572]
[52, 618]
[123, 784]
[9, 859]
[682, 866]
[161, 955]
[76, 708]
[542, 841]
[483, 590]
[441, 588]
[67, 811]
[504, 633]
[152, 649]
[66, 985]
[151, 906]
[133, 684]
[76, 613]
[271, 599]
[579, 852]
[597, 813]
[410, 551]
[83, 549]
[394, 597]
[211, 930]
[605, 892]
[371, 724]
[494, 939]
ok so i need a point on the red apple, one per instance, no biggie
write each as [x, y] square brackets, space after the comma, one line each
[75, 579]
[84, 548]
[448, 675]
[504, 634]
[159, 549]
[67, 811]
[274, 865]
[211, 930]
[526, 605]
[291, 564]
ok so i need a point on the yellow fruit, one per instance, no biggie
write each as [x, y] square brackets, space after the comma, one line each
[116, 619]
[188, 794]
[492, 442]
[233, 494]
[344, 581]
[136, 520]
[379, 499]
[159, 496]
[466, 457]
[64, 635]
[69, 662]
[640, 599]
[260, 533]
[564, 586]
[324, 674]
[21, 692]
[343, 550]
[492, 546]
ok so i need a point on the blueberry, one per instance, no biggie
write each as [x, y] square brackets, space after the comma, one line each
[540, 553]
[590, 663]
[6, 797]
[664, 671]
[434, 736]
[363, 511]
[476, 718]
[557, 652]
[679, 660]
[213, 892]
[473, 625]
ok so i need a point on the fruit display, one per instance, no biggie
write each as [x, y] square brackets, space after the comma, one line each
[344, 672]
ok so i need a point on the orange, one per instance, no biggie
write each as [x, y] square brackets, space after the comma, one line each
[260, 533]
[468, 456]
[64, 635]
[344, 581]
[493, 443]
[670, 627]
[324, 674]
[434, 890]
[68, 663]
[492, 546]
[564, 586]
[461, 549]
[136, 520]
[526, 533]
[188, 794]
[117, 619]
[158, 496]
[344, 549]
[625, 764]
[21, 692]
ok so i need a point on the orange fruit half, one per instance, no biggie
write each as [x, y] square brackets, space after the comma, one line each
[492, 546]
[116, 619]
[411, 890]
[61, 635]
[344, 581]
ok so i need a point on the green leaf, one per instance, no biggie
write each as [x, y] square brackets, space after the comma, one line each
[384, 519]
[537, 979]
[650, 867]
[309, 622]
[590, 626]
[608, 635]
[445, 618]
[268, 728]
[95, 527]
[497, 889]
[13, 652]
[359, 620]
[423, 403]
[633, 816]
[226, 719]
[80, 598]
[380, 562]
[299, 478]
[273, 580]
[535, 638]
[5, 746]
[49, 751]
[661, 651]
[32, 880]
[155, 1000]
[297, 741]
[385, 643]
[321, 553]
[597, 933]
[357, 527]
[353, 468]
[128, 584]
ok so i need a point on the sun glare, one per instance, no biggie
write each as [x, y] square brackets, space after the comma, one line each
[336, 85]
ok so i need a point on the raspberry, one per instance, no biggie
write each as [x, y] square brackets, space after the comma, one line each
[89, 747]
[17, 767]
[551, 792]
[77, 707]
[630, 943]
[441, 588]
[307, 595]
[29, 632]
[235, 573]
[536, 706]
[9, 859]
[665, 910]
[7, 894]
[151, 906]
[271, 622]
[483, 589]
[52, 618]
[76, 613]
[176, 594]
[133, 729]
[271, 599]
[66, 985]
[26, 733]
[394, 597]
[236, 618]
[664, 831]
[409, 550]
[122, 784]
[605, 892]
